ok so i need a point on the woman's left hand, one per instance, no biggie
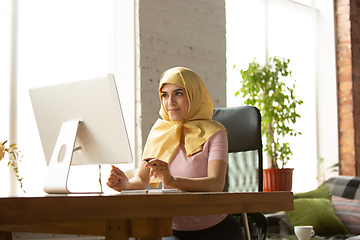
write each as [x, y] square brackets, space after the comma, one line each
[159, 169]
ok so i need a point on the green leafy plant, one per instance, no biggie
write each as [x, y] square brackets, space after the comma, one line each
[14, 158]
[322, 173]
[264, 87]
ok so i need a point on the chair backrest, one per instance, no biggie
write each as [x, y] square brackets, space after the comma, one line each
[245, 168]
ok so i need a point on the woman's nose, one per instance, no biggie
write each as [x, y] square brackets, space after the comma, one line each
[172, 100]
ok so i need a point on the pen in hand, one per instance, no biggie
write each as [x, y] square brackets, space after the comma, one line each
[147, 160]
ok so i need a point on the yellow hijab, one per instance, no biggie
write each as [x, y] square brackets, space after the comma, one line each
[164, 137]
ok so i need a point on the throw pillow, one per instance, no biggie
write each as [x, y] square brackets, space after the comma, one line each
[316, 212]
[348, 211]
[321, 192]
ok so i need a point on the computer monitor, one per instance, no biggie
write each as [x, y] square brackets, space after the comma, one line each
[79, 123]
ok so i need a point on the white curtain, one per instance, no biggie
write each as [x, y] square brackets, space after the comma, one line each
[5, 43]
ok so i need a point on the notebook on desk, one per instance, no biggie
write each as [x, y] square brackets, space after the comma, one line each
[151, 191]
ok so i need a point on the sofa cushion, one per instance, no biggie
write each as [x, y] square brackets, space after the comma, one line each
[320, 192]
[316, 212]
[344, 186]
[349, 213]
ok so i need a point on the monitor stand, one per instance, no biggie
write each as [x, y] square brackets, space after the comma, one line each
[57, 176]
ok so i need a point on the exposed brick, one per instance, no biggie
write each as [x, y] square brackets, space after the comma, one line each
[346, 125]
[347, 150]
[344, 70]
[343, 9]
[347, 141]
[345, 133]
[346, 101]
[342, 46]
[344, 54]
[348, 153]
[343, 18]
[343, 86]
[347, 168]
[180, 33]
[346, 117]
[344, 62]
[339, 3]
[345, 78]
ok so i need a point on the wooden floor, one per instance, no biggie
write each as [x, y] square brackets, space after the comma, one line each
[44, 236]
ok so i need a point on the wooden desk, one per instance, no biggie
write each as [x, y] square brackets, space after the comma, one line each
[120, 216]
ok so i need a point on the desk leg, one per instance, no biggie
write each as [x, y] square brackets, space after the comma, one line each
[5, 235]
[117, 229]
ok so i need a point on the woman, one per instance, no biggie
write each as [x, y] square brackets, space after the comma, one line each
[185, 150]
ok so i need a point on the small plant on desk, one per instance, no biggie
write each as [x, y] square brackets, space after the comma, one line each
[14, 158]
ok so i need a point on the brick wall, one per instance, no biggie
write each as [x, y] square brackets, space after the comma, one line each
[348, 71]
[355, 46]
[184, 33]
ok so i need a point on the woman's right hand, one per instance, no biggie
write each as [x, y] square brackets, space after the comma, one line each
[117, 179]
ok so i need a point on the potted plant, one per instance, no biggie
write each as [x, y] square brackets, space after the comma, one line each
[264, 87]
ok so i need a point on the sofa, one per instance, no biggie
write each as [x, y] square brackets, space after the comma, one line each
[333, 209]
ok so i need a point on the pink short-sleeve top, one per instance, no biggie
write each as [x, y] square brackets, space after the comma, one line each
[215, 148]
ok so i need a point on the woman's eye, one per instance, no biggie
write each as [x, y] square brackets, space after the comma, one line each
[163, 95]
[179, 93]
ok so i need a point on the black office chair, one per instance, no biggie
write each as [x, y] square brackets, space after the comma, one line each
[245, 167]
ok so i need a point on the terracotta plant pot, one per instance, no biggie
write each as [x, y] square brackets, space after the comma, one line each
[277, 179]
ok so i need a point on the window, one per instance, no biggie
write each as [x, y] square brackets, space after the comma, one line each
[285, 28]
[58, 41]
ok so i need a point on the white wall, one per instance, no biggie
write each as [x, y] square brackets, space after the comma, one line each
[326, 89]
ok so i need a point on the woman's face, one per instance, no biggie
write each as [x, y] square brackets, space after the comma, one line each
[175, 101]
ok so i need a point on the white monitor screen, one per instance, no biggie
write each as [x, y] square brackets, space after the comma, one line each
[101, 134]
